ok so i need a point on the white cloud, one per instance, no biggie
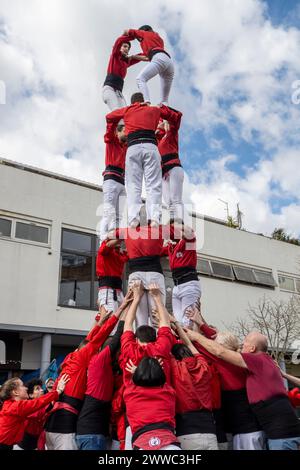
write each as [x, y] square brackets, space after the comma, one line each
[54, 56]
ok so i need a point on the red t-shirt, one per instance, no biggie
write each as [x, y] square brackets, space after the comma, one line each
[149, 405]
[115, 151]
[264, 380]
[110, 261]
[140, 116]
[118, 64]
[168, 141]
[182, 255]
[191, 379]
[144, 241]
[161, 348]
[100, 382]
[149, 40]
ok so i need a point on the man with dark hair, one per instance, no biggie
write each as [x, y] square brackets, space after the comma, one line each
[142, 157]
[265, 388]
[116, 72]
[113, 187]
[160, 61]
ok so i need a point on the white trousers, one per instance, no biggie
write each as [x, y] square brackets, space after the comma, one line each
[143, 160]
[114, 99]
[58, 441]
[114, 199]
[183, 296]
[106, 299]
[249, 441]
[144, 311]
[198, 441]
[160, 65]
[172, 186]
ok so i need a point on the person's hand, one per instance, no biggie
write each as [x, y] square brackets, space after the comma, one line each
[126, 32]
[105, 317]
[62, 383]
[130, 367]
[154, 291]
[193, 313]
[128, 298]
[160, 361]
[138, 290]
[192, 335]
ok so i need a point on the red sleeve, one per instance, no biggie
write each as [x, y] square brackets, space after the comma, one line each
[132, 61]
[96, 337]
[252, 361]
[294, 396]
[159, 134]
[165, 251]
[104, 249]
[110, 134]
[128, 346]
[27, 407]
[124, 257]
[116, 115]
[173, 117]
[208, 331]
[118, 43]
[163, 345]
[136, 34]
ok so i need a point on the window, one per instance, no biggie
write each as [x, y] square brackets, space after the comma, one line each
[244, 274]
[286, 283]
[264, 278]
[32, 232]
[204, 267]
[5, 228]
[297, 282]
[222, 270]
[78, 283]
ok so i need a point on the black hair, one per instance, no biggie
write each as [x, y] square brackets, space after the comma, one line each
[146, 334]
[146, 27]
[120, 127]
[127, 42]
[33, 383]
[137, 98]
[180, 351]
[149, 373]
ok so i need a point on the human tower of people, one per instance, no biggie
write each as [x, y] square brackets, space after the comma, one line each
[143, 378]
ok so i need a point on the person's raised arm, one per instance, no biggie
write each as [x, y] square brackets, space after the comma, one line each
[138, 291]
[217, 350]
[183, 336]
[291, 378]
[110, 134]
[164, 318]
[171, 115]
[135, 59]
[116, 115]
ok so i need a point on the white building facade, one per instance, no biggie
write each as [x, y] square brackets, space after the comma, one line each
[48, 286]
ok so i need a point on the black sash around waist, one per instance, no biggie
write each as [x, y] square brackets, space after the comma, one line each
[151, 427]
[145, 264]
[6, 447]
[142, 136]
[277, 418]
[194, 422]
[63, 421]
[113, 282]
[152, 53]
[238, 415]
[182, 275]
[94, 417]
[29, 441]
[115, 81]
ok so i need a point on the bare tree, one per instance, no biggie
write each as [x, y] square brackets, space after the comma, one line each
[279, 321]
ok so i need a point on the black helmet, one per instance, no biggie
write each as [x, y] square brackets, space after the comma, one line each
[146, 27]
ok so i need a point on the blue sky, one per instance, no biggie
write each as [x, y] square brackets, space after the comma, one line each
[235, 64]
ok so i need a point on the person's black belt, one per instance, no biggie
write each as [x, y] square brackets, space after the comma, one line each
[152, 53]
[112, 282]
[115, 81]
[168, 157]
[6, 447]
[182, 275]
[152, 427]
[145, 264]
[142, 136]
[194, 422]
[115, 169]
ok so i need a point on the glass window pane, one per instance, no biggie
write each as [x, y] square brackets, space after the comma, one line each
[222, 270]
[5, 228]
[32, 232]
[297, 282]
[203, 267]
[76, 241]
[264, 277]
[244, 274]
[286, 283]
[75, 286]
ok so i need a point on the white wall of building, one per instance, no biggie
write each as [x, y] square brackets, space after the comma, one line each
[29, 278]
